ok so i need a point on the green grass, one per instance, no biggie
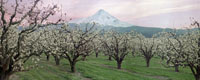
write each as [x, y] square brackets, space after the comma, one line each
[133, 68]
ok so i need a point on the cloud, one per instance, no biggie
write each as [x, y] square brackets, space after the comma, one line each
[134, 8]
[127, 10]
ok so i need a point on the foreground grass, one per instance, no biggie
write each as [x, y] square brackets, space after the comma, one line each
[133, 68]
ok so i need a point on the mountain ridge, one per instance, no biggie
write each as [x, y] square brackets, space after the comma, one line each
[102, 18]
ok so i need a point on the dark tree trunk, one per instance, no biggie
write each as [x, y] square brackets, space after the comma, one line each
[195, 70]
[133, 53]
[47, 57]
[110, 58]
[168, 61]
[57, 60]
[176, 68]
[119, 64]
[97, 54]
[6, 69]
[197, 77]
[84, 58]
[148, 61]
[72, 65]
[4, 76]
[162, 57]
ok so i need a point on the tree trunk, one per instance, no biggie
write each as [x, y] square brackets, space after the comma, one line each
[6, 69]
[195, 70]
[147, 62]
[72, 65]
[4, 76]
[162, 57]
[97, 54]
[47, 57]
[176, 68]
[57, 60]
[84, 58]
[197, 77]
[133, 54]
[168, 61]
[110, 58]
[119, 64]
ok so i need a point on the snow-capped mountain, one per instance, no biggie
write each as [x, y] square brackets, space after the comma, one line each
[102, 18]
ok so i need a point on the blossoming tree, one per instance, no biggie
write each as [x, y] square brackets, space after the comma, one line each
[19, 45]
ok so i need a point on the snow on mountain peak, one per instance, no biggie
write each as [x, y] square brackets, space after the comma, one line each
[103, 18]
[101, 12]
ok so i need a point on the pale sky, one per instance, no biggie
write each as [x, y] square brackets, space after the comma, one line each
[149, 13]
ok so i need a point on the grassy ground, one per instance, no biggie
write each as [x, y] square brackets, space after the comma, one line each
[133, 68]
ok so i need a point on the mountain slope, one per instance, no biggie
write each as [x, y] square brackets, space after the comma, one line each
[102, 18]
[146, 31]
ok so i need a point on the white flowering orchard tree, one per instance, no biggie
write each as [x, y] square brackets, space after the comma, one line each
[79, 44]
[192, 55]
[134, 42]
[44, 41]
[106, 52]
[52, 43]
[184, 50]
[116, 45]
[147, 47]
[18, 46]
[71, 43]
[97, 45]
[173, 48]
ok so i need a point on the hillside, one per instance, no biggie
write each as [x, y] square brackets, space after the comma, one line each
[146, 31]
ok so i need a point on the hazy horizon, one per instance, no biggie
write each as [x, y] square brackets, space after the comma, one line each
[148, 13]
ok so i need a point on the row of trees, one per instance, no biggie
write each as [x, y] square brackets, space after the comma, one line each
[75, 44]
[176, 50]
